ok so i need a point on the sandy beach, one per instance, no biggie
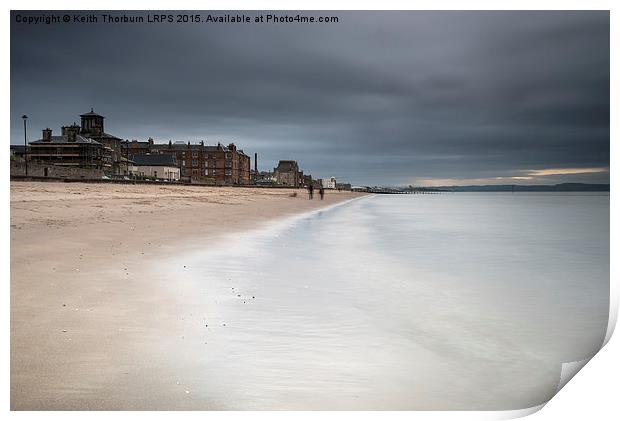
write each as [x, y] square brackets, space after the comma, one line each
[85, 312]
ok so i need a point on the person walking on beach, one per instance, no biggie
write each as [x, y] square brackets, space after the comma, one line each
[321, 192]
[310, 191]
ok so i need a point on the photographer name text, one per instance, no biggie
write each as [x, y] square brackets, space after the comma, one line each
[194, 18]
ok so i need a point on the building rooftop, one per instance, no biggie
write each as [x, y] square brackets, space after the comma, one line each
[135, 144]
[192, 146]
[54, 140]
[157, 160]
[91, 113]
[106, 135]
[287, 166]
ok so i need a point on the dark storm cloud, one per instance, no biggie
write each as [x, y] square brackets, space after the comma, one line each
[378, 98]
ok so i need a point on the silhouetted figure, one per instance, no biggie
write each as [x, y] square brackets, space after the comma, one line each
[310, 191]
[321, 192]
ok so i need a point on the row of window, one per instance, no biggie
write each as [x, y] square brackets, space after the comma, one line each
[227, 155]
[211, 172]
[213, 164]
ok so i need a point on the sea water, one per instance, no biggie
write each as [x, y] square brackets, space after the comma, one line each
[440, 301]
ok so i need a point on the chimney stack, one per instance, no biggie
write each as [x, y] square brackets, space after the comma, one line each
[47, 134]
[71, 132]
[255, 162]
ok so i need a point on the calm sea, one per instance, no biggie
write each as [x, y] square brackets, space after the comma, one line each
[444, 301]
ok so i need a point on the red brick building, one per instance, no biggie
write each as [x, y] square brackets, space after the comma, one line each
[221, 165]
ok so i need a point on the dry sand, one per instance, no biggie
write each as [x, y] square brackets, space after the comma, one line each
[86, 315]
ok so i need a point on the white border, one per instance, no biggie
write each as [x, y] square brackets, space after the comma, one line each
[591, 394]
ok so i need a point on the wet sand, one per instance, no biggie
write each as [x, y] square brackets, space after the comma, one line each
[90, 327]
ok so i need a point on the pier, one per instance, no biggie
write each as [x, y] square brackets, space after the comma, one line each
[396, 190]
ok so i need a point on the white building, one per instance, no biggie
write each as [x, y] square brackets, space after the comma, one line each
[328, 183]
[161, 167]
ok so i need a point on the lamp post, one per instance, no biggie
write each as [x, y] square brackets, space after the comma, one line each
[127, 156]
[25, 117]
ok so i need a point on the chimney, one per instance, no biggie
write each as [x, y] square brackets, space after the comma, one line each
[232, 147]
[71, 132]
[150, 141]
[47, 134]
[255, 162]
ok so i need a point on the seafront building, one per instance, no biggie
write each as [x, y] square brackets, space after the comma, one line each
[87, 151]
[85, 146]
[92, 127]
[217, 164]
[154, 167]
[287, 173]
[226, 165]
[70, 149]
[88, 147]
[328, 183]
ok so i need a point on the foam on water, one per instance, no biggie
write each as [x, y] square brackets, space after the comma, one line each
[452, 301]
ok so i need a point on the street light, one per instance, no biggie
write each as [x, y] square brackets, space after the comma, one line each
[25, 117]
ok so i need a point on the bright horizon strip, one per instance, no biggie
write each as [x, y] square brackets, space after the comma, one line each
[532, 175]
[561, 171]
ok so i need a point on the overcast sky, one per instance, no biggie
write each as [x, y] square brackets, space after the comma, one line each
[378, 98]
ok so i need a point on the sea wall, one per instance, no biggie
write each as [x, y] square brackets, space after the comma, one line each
[18, 168]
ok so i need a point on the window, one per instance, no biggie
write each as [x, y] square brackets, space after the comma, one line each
[228, 172]
[183, 162]
[206, 164]
[228, 164]
[194, 162]
[194, 154]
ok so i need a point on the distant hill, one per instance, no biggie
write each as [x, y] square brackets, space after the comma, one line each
[564, 187]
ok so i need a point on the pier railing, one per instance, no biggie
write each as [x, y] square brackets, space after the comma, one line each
[408, 190]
